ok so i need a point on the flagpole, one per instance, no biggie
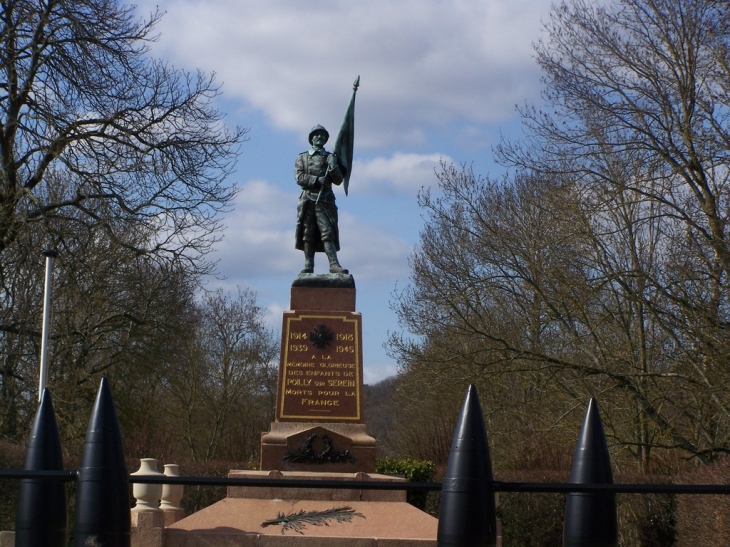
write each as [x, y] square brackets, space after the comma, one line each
[50, 255]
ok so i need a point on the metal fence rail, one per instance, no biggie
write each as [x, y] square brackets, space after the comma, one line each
[467, 514]
[71, 475]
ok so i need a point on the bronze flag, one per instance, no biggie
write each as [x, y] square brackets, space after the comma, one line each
[345, 142]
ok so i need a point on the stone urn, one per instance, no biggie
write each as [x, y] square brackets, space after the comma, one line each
[171, 493]
[147, 495]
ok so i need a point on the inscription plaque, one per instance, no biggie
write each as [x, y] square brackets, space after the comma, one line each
[320, 375]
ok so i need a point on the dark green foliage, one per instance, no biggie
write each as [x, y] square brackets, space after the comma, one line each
[413, 471]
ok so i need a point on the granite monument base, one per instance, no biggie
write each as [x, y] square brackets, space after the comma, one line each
[319, 423]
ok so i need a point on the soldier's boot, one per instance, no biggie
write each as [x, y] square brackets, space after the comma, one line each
[331, 252]
[308, 259]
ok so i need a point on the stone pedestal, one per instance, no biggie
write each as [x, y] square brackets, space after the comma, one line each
[147, 529]
[319, 405]
[7, 539]
[173, 515]
[147, 519]
[319, 434]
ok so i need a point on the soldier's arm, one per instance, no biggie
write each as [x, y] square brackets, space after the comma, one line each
[305, 180]
[334, 173]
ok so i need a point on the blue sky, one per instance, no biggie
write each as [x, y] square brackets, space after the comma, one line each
[439, 81]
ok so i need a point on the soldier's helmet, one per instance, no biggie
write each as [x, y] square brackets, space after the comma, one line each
[318, 129]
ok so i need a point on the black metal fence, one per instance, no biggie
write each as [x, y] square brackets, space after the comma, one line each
[467, 514]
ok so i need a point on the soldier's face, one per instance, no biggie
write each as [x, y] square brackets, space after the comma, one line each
[318, 139]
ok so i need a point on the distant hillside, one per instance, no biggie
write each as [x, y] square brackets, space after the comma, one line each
[379, 410]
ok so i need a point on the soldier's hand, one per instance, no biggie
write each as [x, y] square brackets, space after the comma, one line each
[331, 161]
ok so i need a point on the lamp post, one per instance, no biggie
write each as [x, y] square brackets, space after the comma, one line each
[50, 255]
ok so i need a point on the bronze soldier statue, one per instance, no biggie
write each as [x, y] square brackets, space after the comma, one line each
[316, 171]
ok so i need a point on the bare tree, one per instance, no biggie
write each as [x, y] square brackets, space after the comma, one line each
[544, 291]
[644, 83]
[646, 79]
[103, 150]
[222, 382]
[94, 132]
[601, 265]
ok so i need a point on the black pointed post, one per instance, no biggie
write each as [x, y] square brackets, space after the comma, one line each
[103, 515]
[590, 517]
[468, 517]
[40, 517]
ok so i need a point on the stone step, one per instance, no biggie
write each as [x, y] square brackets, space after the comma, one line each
[238, 521]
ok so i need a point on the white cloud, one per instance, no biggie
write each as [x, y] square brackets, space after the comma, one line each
[424, 63]
[372, 254]
[375, 372]
[436, 75]
[401, 172]
[259, 235]
[259, 241]
[258, 252]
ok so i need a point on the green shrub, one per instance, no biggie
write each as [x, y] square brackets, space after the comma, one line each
[412, 471]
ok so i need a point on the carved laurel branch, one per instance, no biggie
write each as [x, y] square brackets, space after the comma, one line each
[297, 520]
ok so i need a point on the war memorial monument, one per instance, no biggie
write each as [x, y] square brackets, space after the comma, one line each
[319, 432]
